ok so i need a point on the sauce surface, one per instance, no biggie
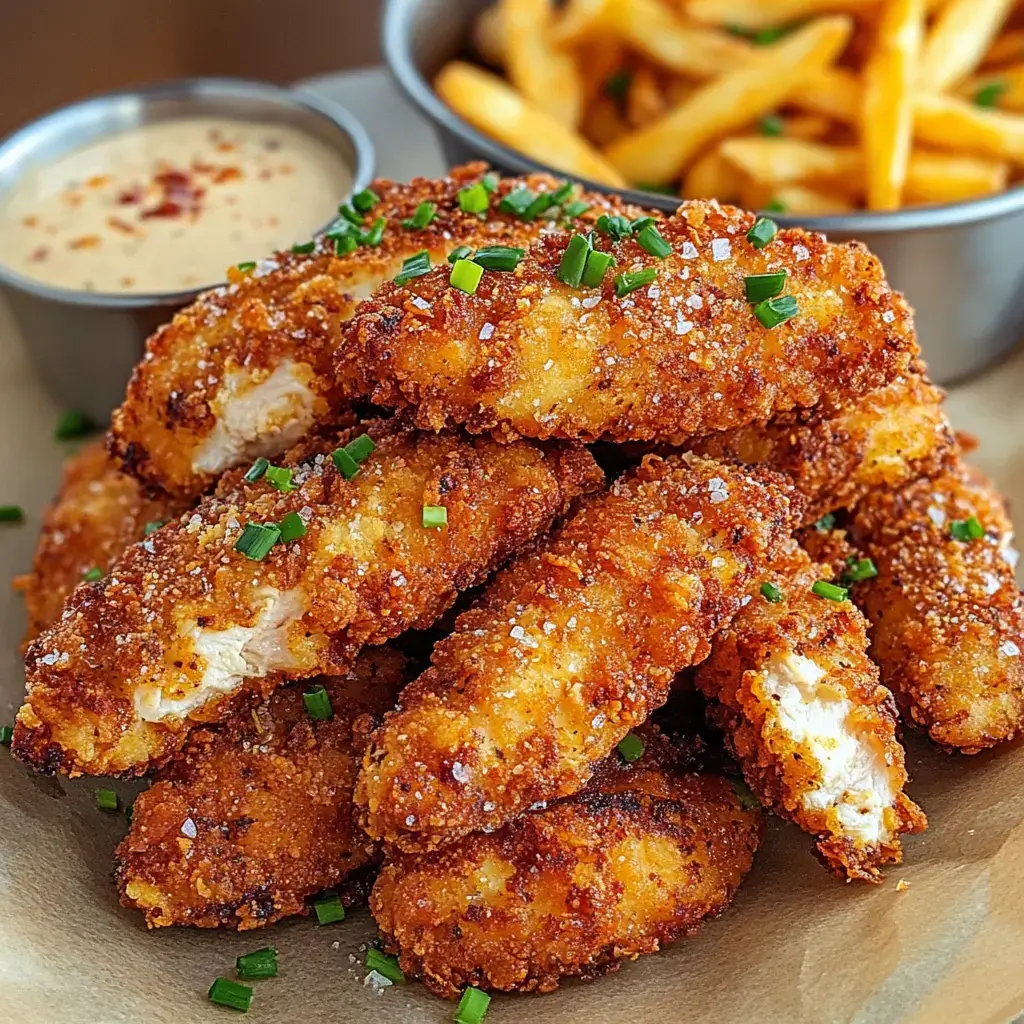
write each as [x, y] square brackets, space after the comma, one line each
[169, 206]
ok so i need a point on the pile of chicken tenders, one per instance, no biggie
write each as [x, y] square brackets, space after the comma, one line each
[405, 539]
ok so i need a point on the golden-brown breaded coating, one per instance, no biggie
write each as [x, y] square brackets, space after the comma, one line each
[254, 816]
[570, 648]
[807, 719]
[882, 440]
[947, 615]
[682, 357]
[639, 858]
[186, 626]
[97, 513]
[247, 369]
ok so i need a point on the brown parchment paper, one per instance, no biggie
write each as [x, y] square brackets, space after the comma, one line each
[797, 946]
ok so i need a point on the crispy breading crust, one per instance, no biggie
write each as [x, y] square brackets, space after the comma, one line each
[288, 311]
[527, 355]
[185, 627]
[97, 513]
[269, 799]
[947, 617]
[639, 858]
[832, 764]
[570, 648]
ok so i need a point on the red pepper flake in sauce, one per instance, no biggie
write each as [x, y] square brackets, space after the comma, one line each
[181, 196]
[40, 253]
[116, 224]
[226, 174]
[30, 222]
[84, 242]
[97, 181]
[131, 196]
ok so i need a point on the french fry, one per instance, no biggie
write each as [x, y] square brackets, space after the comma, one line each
[888, 117]
[490, 104]
[833, 92]
[799, 200]
[947, 122]
[488, 36]
[1007, 49]
[755, 14]
[645, 101]
[773, 162]
[598, 59]
[582, 20]
[809, 127]
[663, 150]
[948, 178]
[962, 33]
[713, 177]
[603, 122]
[1006, 88]
[545, 74]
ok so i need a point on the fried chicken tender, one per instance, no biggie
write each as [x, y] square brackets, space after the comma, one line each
[570, 648]
[254, 816]
[947, 615]
[638, 858]
[811, 726]
[186, 627]
[682, 357]
[247, 369]
[97, 513]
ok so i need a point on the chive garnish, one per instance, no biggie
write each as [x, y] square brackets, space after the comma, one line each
[744, 794]
[225, 992]
[544, 201]
[414, 266]
[129, 813]
[859, 569]
[826, 522]
[474, 199]
[775, 206]
[965, 530]
[301, 248]
[328, 910]
[650, 240]
[434, 516]
[292, 527]
[344, 244]
[498, 257]
[517, 202]
[385, 965]
[344, 463]
[422, 216]
[72, 423]
[563, 192]
[260, 963]
[280, 478]
[988, 94]
[829, 591]
[574, 260]
[256, 470]
[93, 575]
[762, 232]
[361, 448]
[630, 281]
[616, 86]
[631, 747]
[466, 276]
[106, 799]
[376, 232]
[348, 459]
[571, 210]
[318, 704]
[655, 187]
[152, 526]
[472, 1007]
[640, 223]
[490, 181]
[771, 593]
[6, 735]
[767, 36]
[617, 228]
[246, 266]
[596, 267]
[759, 287]
[350, 215]
[772, 125]
[11, 514]
[366, 200]
[257, 539]
[773, 312]
[460, 252]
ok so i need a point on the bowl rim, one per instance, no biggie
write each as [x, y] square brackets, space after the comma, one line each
[419, 91]
[200, 89]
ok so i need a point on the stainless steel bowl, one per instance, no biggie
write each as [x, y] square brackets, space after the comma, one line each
[961, 266]
[84, 344]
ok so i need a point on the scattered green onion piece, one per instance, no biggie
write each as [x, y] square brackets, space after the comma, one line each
[472, 1007]
[829, 591]
[826, 522]
[966, 529]
[571, 210]
[563, 192]
[303, 247]
[106, 799]
[767, 36]
[385, 965]
[772, 125]
[764, 286]
[246, 266]
[775, 206]
[657, 189]
[859, 570]
[344, 463]
[345, 244]
[460, 252]
[773, 312]
[631, 747]
[225, 992]
[376, 232]
[152, 526]
[366, 200]
[466, 276]
[414, 266]
[422, 216]
[256, 470]
[616, 86]
[6, 735]
[292, 527]
[988, 94]
[474, 199]
[574, 260]
[93, 575]
[11, 514]
[280, 478]
[72, 423]
[617, 228]
[360, 448]
[129, 813]
[630, 281]
[350, 215]
[762, 232]
[257, 539]
[490, 182]
[744, 794]
[771, 593]
[650, 240]
[499, 257]
[328, 910]
[260, 963]
[318, 706]
[597, 266]
[517, 202]
[542, 202]
[435, 516]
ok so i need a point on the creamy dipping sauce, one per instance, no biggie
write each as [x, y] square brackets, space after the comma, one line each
[169, 206]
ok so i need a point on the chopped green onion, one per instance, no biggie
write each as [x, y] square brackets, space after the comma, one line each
[318, 704]
[344, 463]
[517, 202]
[466, 276]
[246, 266]
[225, 992]
[93, 575]
[328, 910]
[72, 423]
[616, 86]
[829, 591]
[631, 747]
[260, 963]
[280, 478]
[988, 94]
[772, 125]
[966, 529]
[256, 470]
[499, 257]
[129, 813]
[350, 215]
[773, 312]
[106, 799]
[597, 266]
[771, 593]
[574, 260]
[859, 569]
[474, 199]
[345, 244]
[630, 281]
[563, 192]
[292, 527]
[422, 216]
[11, 514]
[303, 247]
[152, 526]
[6, 735]
[490, 181]
[826, 522]
[767, 36]
[775, 206]
[460, 252]
[472, 1007]
[763, 231]
[542, 202]
[764, 286]
[360, 448]
[744, 794]
[435, 516]
[366, 200]
[640, 223]
[385, 965]
[415, 266]
[617, 228]
[376, 232]
[650, 240]
[257, 540]
[657, 189]
[572, 210]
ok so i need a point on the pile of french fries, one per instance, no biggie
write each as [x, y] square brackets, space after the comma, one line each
[795, 106]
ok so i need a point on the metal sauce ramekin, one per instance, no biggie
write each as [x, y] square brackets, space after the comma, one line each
[961, 266]
[85, 344]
